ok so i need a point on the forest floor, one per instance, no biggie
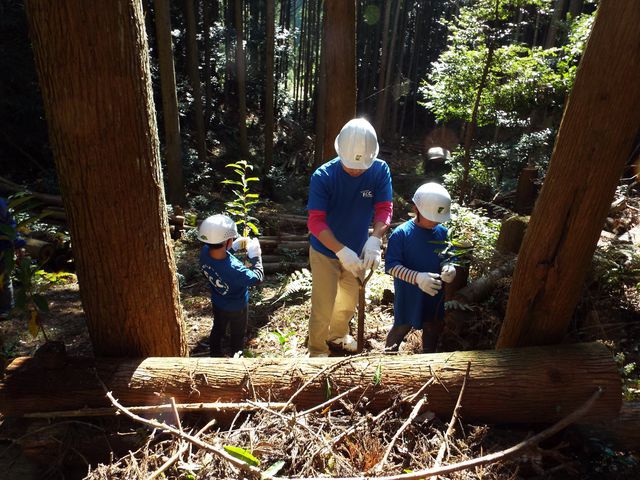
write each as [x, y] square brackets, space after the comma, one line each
[279, 314]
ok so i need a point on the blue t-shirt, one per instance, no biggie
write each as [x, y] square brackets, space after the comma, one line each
[229, 280]
[416, 248]
[349, 201]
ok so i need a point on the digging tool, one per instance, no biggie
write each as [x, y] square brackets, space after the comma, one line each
[361, 292]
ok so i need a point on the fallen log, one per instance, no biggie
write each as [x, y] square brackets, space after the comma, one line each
[284, 266]
[534, 384]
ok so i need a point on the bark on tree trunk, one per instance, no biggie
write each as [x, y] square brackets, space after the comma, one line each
[170, 113]
[268, 108]
[194, 79]
[241, 75]
[340, 50]
[537, 384]
[596, 137]
[94, 73]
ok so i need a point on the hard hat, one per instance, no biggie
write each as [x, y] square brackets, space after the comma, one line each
[217, 229]
[357, 144]
[433, 202]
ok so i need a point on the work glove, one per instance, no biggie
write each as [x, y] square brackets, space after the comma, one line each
[372, 253]
[448, 273]
[239, 243]
[429, 282]
[253, 248]
[350, 261]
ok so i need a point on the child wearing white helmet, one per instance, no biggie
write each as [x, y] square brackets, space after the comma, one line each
[412, 259]
[229, 279]
[346, 195]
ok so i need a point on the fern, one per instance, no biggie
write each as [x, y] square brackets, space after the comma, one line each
[297, 287]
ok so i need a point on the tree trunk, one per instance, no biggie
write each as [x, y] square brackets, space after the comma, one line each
[170, 113]
[383, 97]
[241, 75]
[269, 74]
[384, 54]
[595, 140]
[537, 384]
[340, 51]
[94, 74]
[554, 23]
[210, 16]
[194, 79]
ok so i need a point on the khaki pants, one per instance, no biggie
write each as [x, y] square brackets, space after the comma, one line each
[334, 297]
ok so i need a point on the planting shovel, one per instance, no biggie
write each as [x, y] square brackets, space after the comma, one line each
[361, 291]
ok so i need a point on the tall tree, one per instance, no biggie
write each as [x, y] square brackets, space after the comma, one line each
[241, 75]
[269, 80]
[170, 113]
[340, 51]
[193, 67]
[93, 66]
[596, 138]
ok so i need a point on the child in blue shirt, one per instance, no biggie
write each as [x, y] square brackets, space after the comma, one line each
[412, 259]
[229, 280]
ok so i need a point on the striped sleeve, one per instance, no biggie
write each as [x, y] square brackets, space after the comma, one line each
[403, 273]
[257, 268]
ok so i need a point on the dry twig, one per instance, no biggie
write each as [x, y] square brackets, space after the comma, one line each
[487, 459]
[245, 467]
[452, 423]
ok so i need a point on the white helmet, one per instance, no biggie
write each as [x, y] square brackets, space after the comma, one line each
[433, 202]
[217, 229]
[357, 144]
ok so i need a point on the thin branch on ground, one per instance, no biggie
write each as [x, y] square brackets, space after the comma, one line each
[487, 459]
[183, 448]
[245, 467]
[409, 421]
[452, 423]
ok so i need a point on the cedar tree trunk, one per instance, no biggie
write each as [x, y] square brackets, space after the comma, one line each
[93, 66]
[340, 50]
[595, 139]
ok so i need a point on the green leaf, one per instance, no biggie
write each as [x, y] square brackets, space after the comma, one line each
[233, 165]
[253, 228]
[273, 470]
[242, 454]
[327, 389]
[232, 182]
[252, 179]
[252, 195]
[377, 377]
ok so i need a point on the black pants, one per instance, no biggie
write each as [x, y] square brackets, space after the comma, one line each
[237, 322]
[430, 335]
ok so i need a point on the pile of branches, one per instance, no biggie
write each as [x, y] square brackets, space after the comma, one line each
[336, 439]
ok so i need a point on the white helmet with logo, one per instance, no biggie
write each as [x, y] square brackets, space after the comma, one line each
[357, 144]
[217, 229]
[433, 202]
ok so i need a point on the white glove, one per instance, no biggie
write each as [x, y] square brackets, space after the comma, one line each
[448, 273]
[253, 248]
[350, 261]
[372, 253]
[429, 283]
[239, 243]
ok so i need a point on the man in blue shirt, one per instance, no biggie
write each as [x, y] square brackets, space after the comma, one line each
[346, 194]
[412, 259]
[11, 243]
[229, 280]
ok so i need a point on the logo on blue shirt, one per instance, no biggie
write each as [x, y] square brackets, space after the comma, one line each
[366, 193]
